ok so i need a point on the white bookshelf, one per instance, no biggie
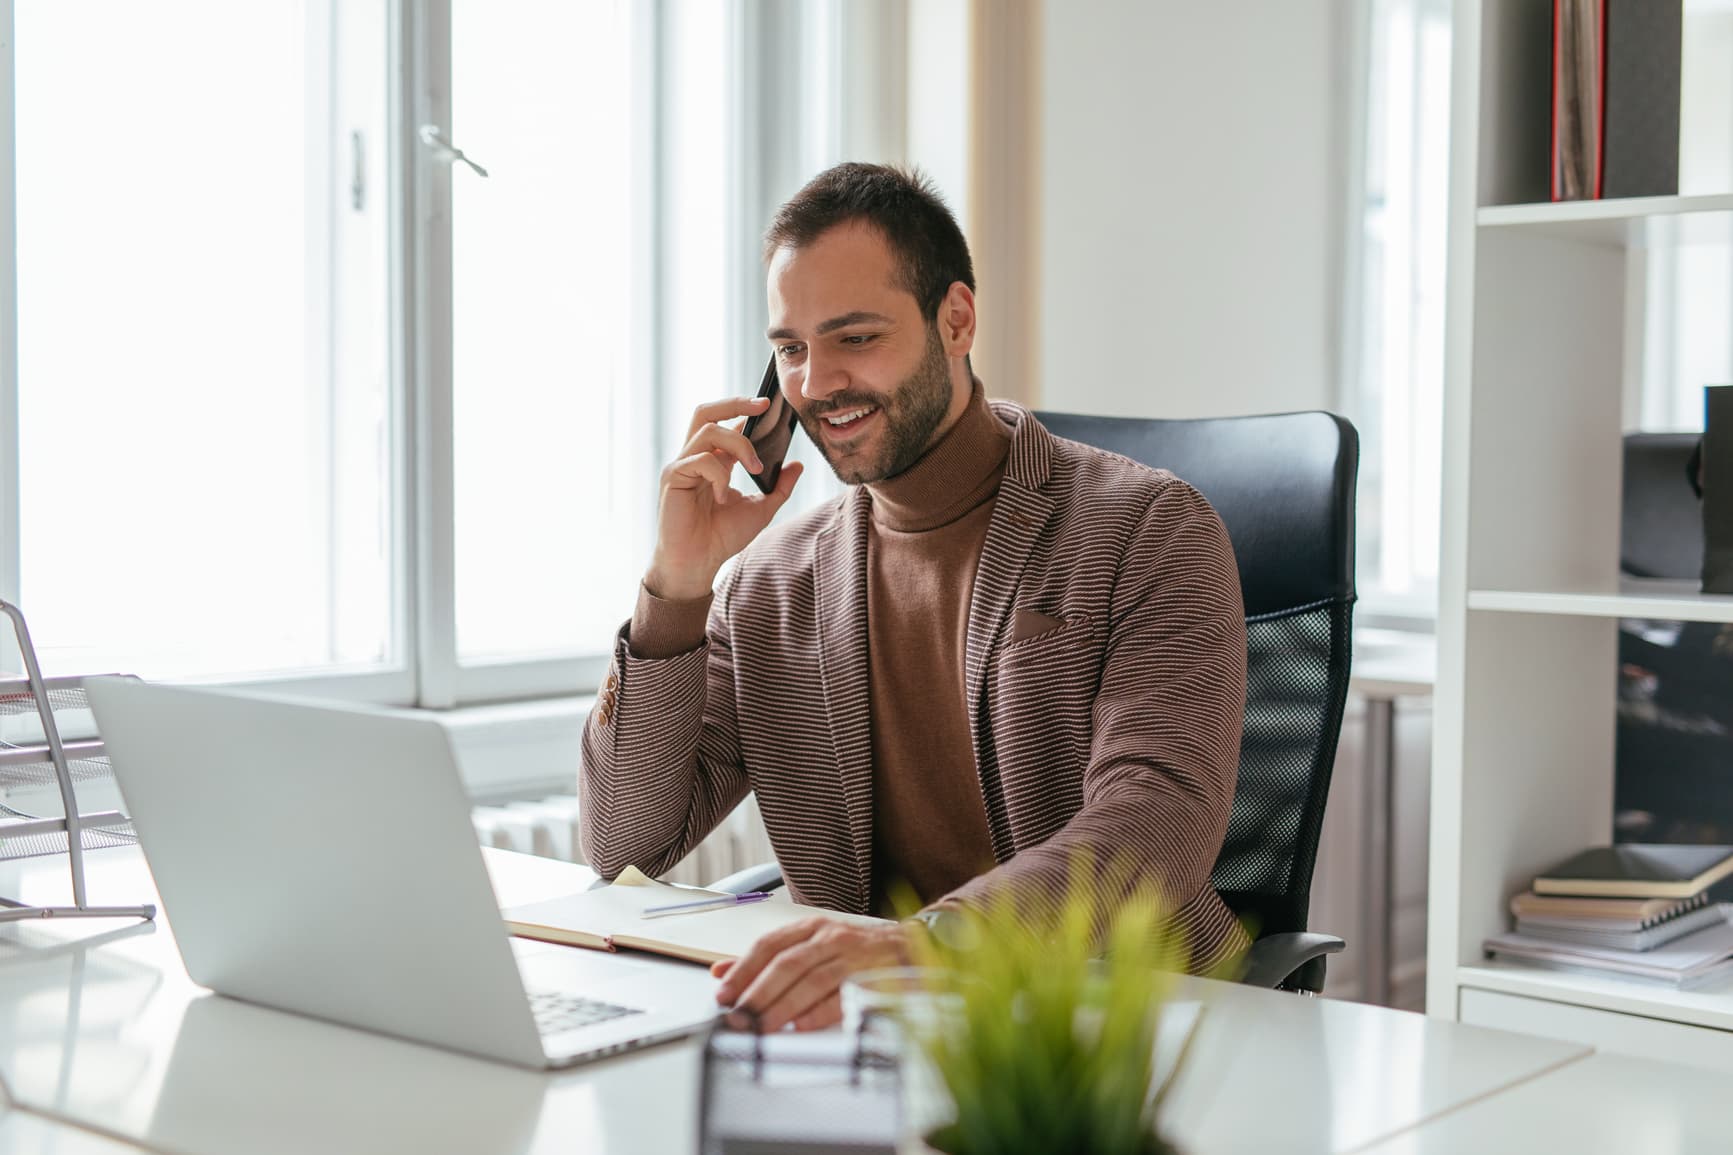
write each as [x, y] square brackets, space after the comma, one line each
[1530, 595]
[1628, 222]
[1711, 1008]
[1628, 598]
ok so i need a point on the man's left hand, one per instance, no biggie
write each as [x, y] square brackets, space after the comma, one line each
[794, 974]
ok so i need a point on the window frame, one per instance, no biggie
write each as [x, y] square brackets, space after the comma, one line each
[390, 682]
[444, 678]
[1415, 608]
[10, 568]
[422, 312]
[776, 143]
[425, 670]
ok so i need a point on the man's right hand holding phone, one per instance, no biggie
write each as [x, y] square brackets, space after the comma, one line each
[703, 521]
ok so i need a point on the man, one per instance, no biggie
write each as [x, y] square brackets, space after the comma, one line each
[1000, 654]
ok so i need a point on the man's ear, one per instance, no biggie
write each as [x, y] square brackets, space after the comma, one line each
[956, 320]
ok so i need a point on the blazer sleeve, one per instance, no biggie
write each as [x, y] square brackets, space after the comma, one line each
[1159, 781]
[661, 759]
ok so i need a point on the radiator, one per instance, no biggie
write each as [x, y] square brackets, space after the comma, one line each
[549, 827]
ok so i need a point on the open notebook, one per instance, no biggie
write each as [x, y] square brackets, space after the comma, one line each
[611, 917]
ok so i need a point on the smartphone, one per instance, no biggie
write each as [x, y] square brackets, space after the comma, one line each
[772, 431]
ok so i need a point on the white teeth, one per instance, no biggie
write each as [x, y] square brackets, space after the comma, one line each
[851, 415]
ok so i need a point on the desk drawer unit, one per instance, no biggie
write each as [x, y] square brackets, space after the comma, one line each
[1604, 1030]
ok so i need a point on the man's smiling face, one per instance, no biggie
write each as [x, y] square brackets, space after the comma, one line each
[867, 374]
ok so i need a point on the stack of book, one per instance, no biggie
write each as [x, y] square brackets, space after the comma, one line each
[1637, 910]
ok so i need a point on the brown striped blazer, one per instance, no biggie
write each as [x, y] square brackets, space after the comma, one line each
[1116, 733]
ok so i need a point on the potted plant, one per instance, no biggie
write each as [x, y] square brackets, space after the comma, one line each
[1048, 1042]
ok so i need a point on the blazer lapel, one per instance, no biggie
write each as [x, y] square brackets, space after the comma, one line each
[1019, 516]
[839, 579]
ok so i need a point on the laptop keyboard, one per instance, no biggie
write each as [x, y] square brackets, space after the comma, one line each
[556, 1012]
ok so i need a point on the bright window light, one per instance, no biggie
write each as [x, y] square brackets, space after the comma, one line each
[202, 385]
[1684, 285]
[552, 508]
[1397, 365]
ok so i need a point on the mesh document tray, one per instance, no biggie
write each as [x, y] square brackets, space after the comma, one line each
[48, 748]
[27, 765]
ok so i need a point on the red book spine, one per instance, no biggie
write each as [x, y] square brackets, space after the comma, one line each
[1557, 50]
[1601, 87]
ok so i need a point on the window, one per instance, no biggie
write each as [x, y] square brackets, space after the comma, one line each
[203, 446]
[1682, 285]
[1396, 300]
[299, 393]
[1686, 288]
[550, 391]
[292, 397]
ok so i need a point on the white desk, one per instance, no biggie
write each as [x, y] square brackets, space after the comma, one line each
[1604, 1105]
[116, 1035]
[22, 1134]
[109, 1032]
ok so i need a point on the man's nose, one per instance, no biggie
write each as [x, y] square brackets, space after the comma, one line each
[823, 377]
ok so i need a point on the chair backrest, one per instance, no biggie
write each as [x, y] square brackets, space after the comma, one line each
[1284, 487]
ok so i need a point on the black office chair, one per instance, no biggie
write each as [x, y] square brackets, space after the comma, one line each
[1284, 487]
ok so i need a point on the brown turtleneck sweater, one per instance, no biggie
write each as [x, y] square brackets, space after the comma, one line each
[923, 543]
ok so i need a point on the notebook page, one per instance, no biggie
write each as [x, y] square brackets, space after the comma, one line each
[598, 914]
[725, 932]
[615, 914]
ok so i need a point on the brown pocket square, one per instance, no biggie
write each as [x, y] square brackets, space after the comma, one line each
[1027, 624]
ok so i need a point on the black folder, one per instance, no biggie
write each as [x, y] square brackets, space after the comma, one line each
[1718, 489]
[1639, 870]
[1615, 106]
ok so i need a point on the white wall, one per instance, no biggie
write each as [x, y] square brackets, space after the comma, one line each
[1194, 160]
[938, 99]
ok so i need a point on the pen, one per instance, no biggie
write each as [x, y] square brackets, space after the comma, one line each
[705, 903]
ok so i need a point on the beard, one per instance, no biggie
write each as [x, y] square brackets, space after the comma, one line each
[912, 412]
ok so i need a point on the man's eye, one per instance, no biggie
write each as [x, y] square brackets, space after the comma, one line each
[858, 338]
[787, 351]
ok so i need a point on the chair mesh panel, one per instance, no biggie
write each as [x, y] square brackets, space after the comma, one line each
[1296, 686]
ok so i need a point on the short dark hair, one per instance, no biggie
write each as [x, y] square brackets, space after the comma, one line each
[901, 204]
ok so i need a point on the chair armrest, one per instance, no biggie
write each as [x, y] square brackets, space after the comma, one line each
[1273, 958]
[764, 876]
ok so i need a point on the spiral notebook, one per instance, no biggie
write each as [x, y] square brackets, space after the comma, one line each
[1604, 913]
[1588, 932]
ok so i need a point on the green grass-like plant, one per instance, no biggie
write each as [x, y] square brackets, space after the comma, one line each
[1048, 1044]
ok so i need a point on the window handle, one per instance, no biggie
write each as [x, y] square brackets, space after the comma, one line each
[443, 149]
[357, 171]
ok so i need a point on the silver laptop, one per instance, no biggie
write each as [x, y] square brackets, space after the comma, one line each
[320, 859]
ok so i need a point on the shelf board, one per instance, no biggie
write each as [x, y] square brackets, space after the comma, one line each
[1633, 598]
[1712, 1007]
[1627, 221]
